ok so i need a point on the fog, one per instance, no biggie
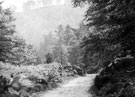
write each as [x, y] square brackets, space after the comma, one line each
[35, 18]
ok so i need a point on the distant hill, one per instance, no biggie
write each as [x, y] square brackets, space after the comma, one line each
[32, 24]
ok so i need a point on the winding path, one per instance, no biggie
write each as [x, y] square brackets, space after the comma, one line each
[77, 87]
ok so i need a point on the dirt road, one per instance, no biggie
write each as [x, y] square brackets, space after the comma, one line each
[77, 87]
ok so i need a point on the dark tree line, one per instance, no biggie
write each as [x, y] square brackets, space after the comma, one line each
[112, 28]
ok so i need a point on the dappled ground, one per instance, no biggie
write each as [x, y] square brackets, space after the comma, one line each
[77, 87]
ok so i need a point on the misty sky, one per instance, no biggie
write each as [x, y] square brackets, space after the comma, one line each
[43, 17]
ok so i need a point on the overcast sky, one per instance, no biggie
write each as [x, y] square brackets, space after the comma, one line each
[44, 17]
[19, 3]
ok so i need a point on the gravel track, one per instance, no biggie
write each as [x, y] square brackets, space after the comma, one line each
[77, 87]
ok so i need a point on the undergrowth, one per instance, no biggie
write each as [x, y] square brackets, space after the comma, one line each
[116, 80]
[24, 81]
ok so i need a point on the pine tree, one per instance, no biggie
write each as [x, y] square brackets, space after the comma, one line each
[8, 40]
[112, 24]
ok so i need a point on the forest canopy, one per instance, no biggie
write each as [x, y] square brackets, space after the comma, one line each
[113, 25]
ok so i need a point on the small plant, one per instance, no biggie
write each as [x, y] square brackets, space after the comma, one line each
[49, 58]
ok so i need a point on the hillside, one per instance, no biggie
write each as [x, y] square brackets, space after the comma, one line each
[38, 22]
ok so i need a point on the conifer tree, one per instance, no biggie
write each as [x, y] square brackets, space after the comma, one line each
[112, 25]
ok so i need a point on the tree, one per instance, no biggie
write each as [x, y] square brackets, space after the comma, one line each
[49, 58]
[30, 55]
[60, 51]
[47, 45]
[72, 39]
[18, 51]
[24, 54]
[67, 47]
[112, 23]
[8, 40]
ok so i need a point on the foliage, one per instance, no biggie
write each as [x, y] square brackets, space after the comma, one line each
[116, 80]
[13, 48]
[18, 52]
[111, 26]
[24, 54]
[30, 55]
[29, 79]
[49, 58]
[72, 39]
[64, 45]
[60, 50]
[8, 40]
[3, 84]
[46, 46]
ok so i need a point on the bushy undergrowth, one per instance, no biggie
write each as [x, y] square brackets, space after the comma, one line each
[116, 80]
[27, 80]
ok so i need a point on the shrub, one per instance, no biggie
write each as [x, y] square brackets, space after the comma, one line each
[28, 79]
[4, 84]
[100, 81]
[116, 80]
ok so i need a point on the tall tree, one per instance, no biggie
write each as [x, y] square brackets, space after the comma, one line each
[72, 39]
[60, 52]
[8, 40]
[46, 46]
[113, 27]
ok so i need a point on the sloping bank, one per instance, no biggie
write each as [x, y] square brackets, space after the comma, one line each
[23, 81]
[116, 80]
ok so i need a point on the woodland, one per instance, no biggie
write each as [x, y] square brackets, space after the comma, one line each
[103, 44]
